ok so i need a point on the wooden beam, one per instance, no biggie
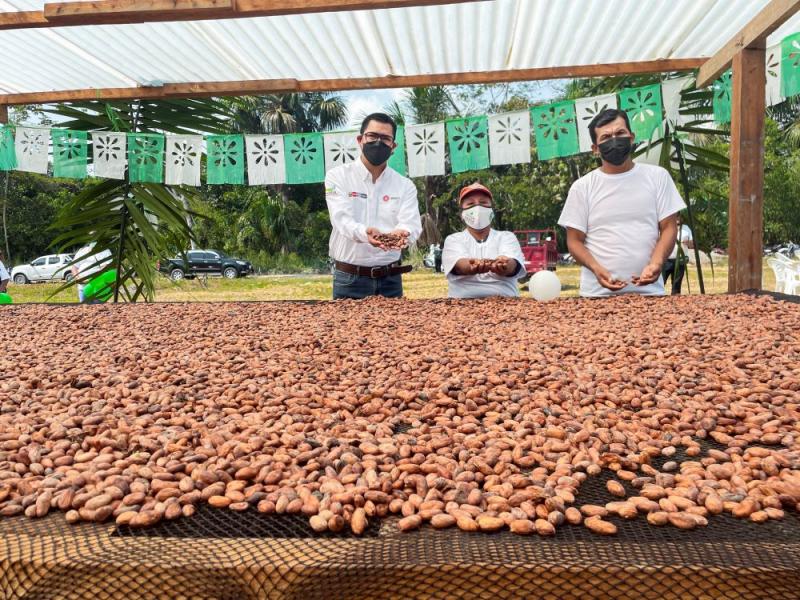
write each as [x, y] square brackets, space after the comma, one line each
[746, 200]
[246, 88]
[753, 35]
[115, 12]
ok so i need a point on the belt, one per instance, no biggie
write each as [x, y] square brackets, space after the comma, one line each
[373, 272]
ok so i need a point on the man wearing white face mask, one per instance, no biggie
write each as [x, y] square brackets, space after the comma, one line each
[481, 261]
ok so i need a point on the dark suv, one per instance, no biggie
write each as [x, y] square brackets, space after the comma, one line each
[199, 262]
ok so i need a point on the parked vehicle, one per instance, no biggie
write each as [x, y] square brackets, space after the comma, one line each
[203, 262]
[45, 268]
[539, 249]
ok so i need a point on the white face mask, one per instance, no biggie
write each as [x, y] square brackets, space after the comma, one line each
[477, 217]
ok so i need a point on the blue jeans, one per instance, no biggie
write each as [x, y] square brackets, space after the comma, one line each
[347, 285]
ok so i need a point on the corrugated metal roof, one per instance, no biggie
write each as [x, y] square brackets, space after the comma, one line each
[482, 36]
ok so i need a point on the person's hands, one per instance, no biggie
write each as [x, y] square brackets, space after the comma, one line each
[372, 234]
[649, 274]
[500, 265]
[608, 281]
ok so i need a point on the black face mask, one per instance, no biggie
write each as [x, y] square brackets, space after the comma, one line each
[616, 150]
[376, 152]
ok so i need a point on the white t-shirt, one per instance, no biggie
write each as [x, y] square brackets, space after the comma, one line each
[684, 235]
[463, 245]
[356, 203]
[3, 272]
[619, 215]
[91, 264]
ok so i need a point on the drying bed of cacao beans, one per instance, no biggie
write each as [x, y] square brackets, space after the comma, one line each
[630, 447]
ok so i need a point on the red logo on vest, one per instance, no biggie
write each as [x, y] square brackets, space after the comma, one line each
[386, 198]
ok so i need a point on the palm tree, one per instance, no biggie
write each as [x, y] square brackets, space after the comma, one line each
[287, 113]
[136, 222]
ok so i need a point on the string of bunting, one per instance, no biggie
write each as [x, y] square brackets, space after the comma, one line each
[471, 143]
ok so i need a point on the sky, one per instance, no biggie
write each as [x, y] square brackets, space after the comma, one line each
[363, 102]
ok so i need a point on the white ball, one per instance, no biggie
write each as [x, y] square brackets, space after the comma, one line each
[545, 286]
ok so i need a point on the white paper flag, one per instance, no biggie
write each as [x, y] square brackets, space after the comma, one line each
[425, 149]
[587, 109]
[510, 138]
[671, 97]
[340, 149]
[31, 147]
[773, 95]
[109, 152]
[266, 164]
[183, 154]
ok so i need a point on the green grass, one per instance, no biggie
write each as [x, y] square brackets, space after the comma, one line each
[422, 283]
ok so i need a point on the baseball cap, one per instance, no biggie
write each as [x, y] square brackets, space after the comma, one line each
[471, 189]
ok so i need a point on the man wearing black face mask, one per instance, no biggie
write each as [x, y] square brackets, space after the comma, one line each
[367, 198]
[621, 219]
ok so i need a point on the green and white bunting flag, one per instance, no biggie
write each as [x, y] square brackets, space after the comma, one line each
[425, 149]
[305, 158]
[8, 158]
[108, 155]
[671, 96]
[183, 159]
[510, 138]
[555, 129]
[225, 162]
[468, 140]
[70, 153]
[145, 157]
[587, 109]
[790, 65]
[398, 159]
[643, 105]
[265, 160]
[31, 145]
[340, 149]
[773, 69]
[722, 98]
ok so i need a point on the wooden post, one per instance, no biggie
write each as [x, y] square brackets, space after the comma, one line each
[746, 200]
[3, 113]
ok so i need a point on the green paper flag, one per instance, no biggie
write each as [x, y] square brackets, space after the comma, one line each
[790, 65]
[8, 157]
[556, 130]
[70, 151]
[643, 105]
[145, 157]
[305, 160]
[722, 98]
[398, 158]
[225, 159]
[468, 141]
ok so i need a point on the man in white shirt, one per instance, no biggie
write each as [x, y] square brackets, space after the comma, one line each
[4, 276]
[467, 254]
[621, 218]
[366, 200]
[86, 264]
[675, 265]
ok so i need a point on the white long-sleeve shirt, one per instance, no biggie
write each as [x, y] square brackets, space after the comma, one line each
[355, 203]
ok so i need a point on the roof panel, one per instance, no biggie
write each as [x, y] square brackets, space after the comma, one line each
[473, 37]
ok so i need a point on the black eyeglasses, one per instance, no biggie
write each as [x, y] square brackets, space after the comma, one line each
[371, 136]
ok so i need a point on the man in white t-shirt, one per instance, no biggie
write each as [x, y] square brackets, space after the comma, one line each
[86, 264]
[620, 218]
[467, 254]
[675, 265]
[4, 276]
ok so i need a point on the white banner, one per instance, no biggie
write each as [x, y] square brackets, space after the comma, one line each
[266, 164]
[340, 149]
[183, 154]
[510, 138]
[773, 92]
[587, 109]
[425, 149]
[109, 152]
[671, 97]
[31, 147]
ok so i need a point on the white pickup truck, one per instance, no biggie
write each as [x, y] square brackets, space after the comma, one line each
[45, 268]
